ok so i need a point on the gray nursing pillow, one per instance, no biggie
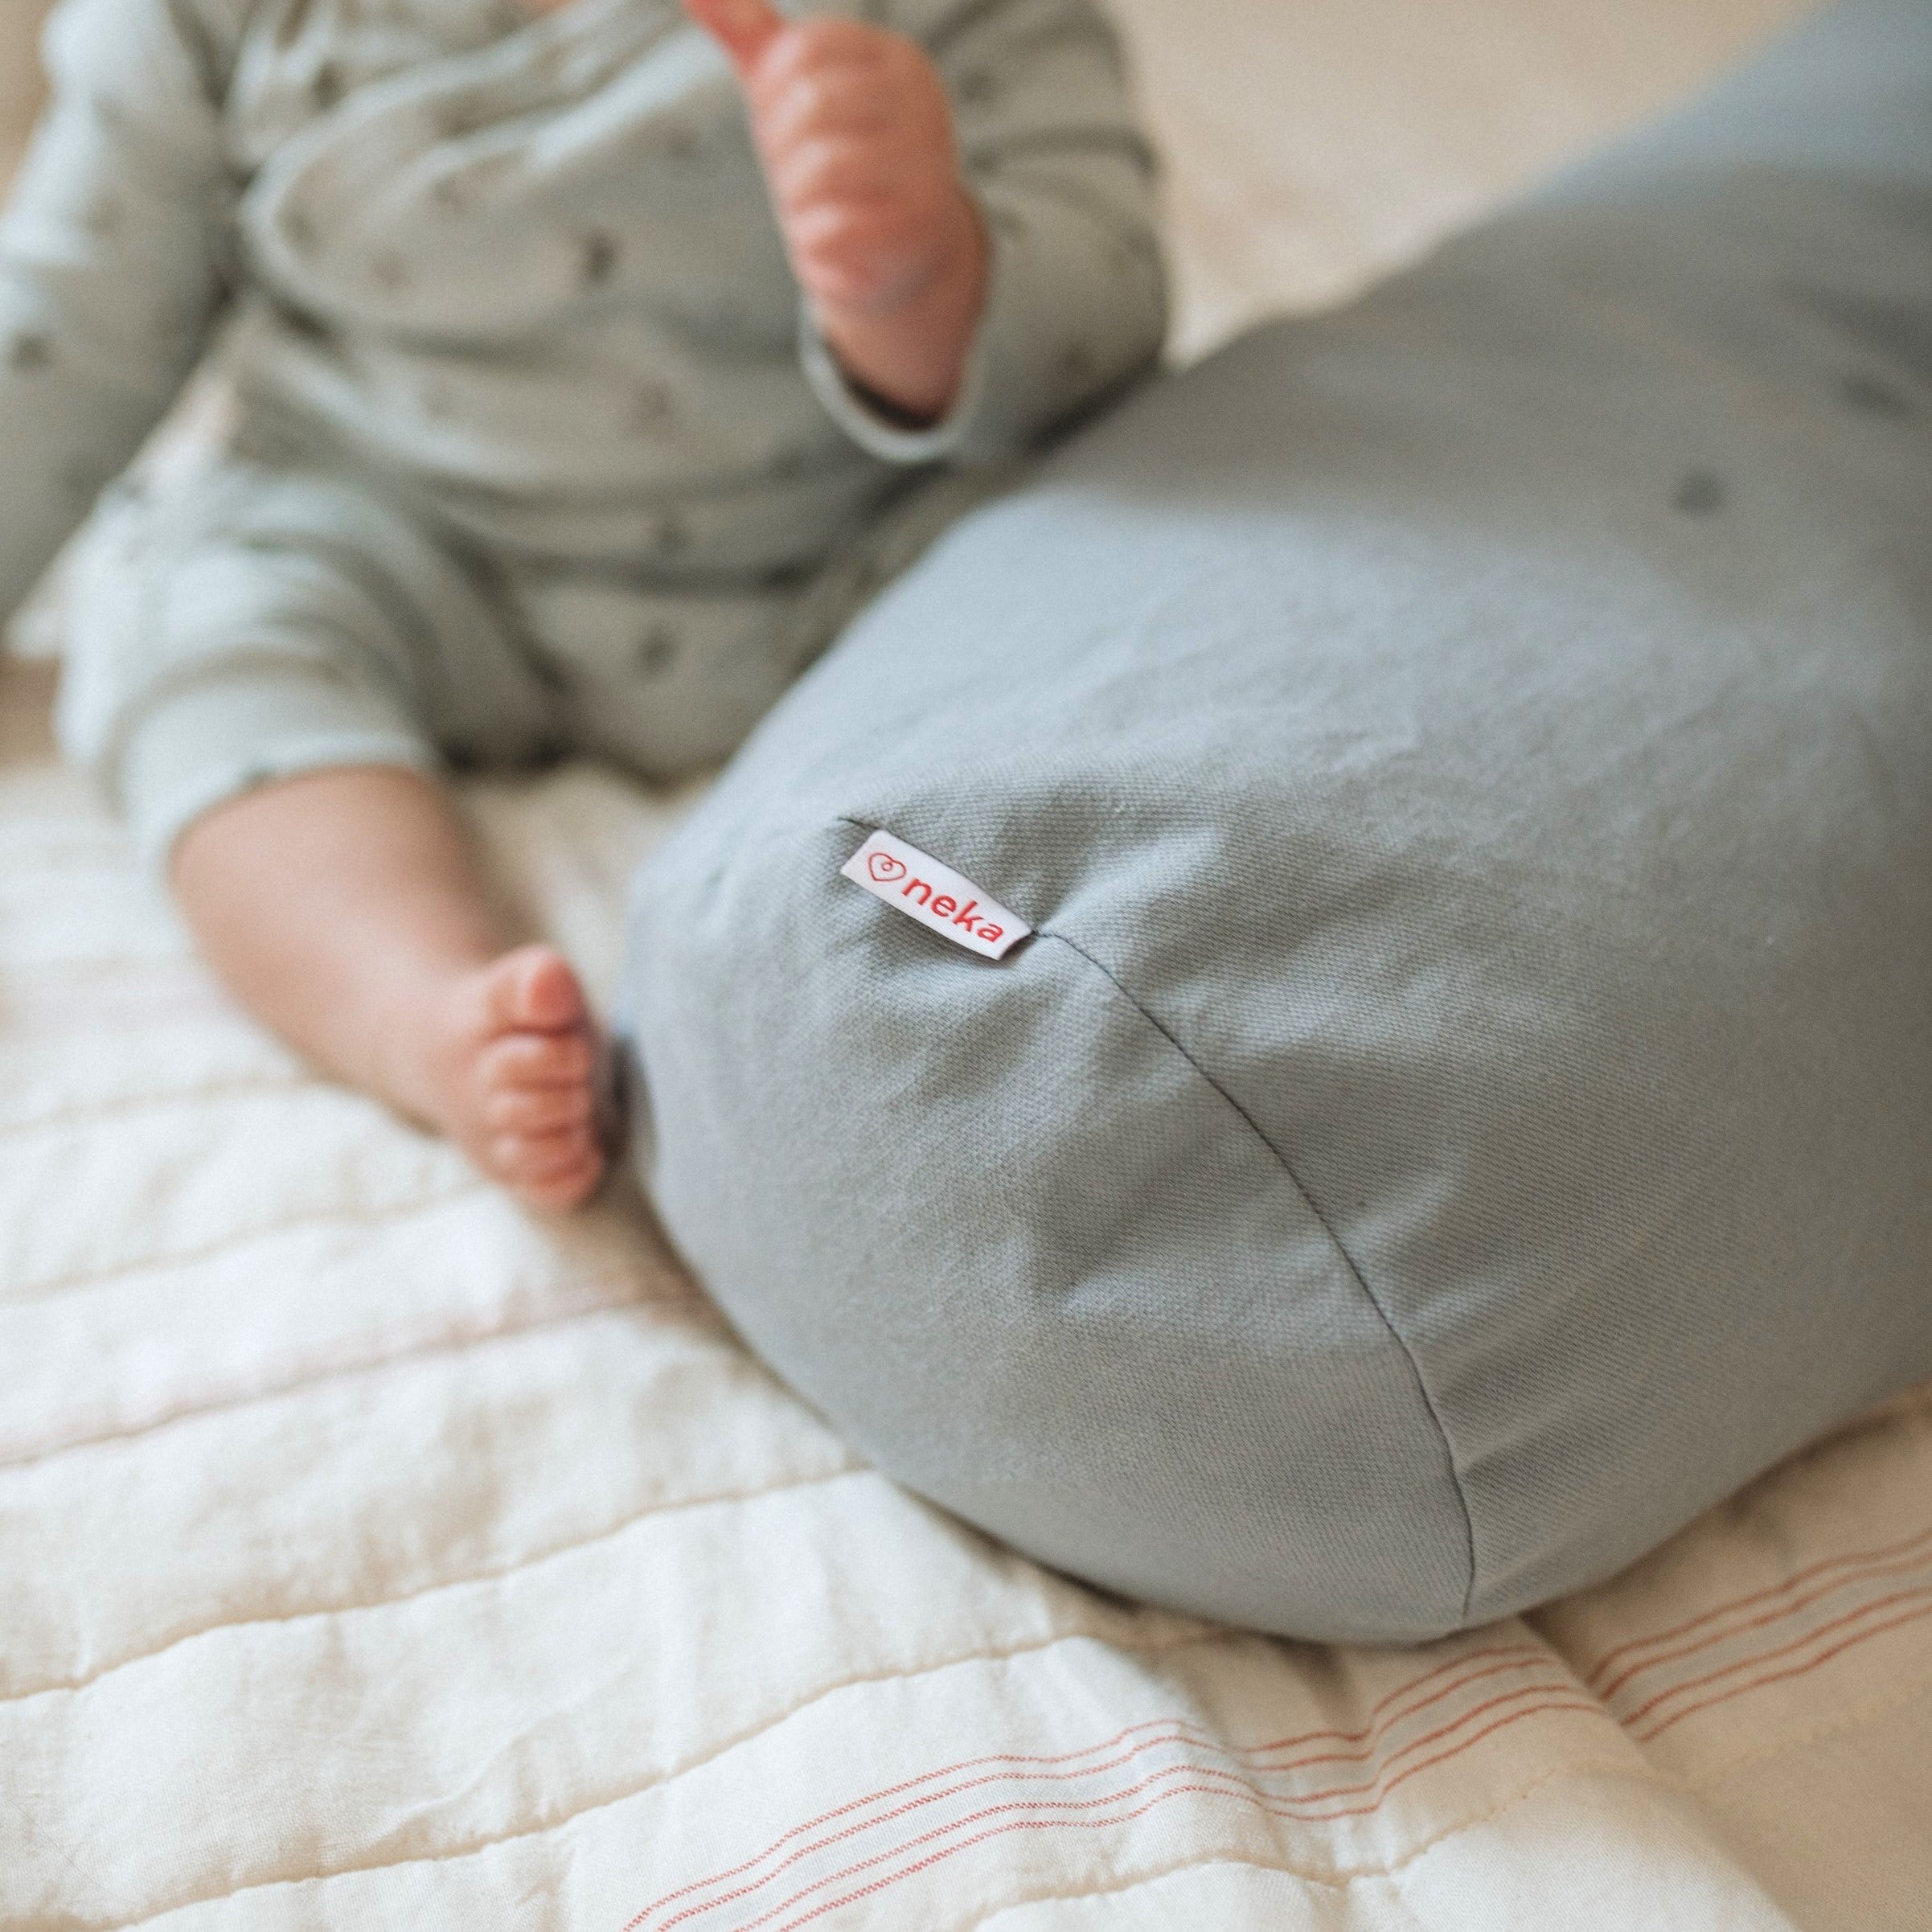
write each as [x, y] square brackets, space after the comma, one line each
[1464, 1103]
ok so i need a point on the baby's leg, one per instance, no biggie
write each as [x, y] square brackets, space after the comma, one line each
[263, 666]
[344, 907]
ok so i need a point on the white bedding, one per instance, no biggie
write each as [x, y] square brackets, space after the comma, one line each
[372, 1555]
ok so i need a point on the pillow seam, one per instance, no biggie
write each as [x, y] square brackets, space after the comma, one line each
[1308, 1200]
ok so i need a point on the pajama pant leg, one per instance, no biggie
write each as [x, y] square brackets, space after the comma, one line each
[247, 624]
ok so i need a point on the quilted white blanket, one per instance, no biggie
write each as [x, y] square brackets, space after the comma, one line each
[372, 1555]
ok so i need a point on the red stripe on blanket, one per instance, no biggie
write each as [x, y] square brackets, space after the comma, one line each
[1631, 1718]
[1871, 1575]
[1395, 1707]
[1380, 1720]
[1920, 1541]
[1241, 1781]
[1032, 1824]
[1797, 1670]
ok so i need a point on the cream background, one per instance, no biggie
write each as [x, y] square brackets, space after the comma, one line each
[1314, 143]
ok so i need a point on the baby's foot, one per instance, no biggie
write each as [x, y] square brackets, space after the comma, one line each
[517, 1078]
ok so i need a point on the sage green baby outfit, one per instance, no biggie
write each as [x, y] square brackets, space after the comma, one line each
[528, 444]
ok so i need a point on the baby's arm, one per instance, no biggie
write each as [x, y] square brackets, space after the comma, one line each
[110, 274]
[856, 135]
[969, 209]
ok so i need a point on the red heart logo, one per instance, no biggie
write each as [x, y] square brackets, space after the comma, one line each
[884, 867]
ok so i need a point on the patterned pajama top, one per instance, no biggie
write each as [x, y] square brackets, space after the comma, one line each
[530, 444]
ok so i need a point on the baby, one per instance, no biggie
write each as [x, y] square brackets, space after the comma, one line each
[590, 366]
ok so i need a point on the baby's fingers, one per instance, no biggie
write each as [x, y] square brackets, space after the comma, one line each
[813, 173]
[744, 28]
[858, 255]
[841, 102]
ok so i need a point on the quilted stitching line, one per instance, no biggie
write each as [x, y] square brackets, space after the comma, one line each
[1030, 1812]
[1874, 1573]
[55, 1286]
[1857, 1565]
[1853, 1642]
[1520, 1656]
[1313, 1206]
[476, 1336]
[1853, 1569]
[673, 1506]
[1248, 1796]
[1250, 1763]
[1148, 1648]
[1881, 1704]
[1342, 1881]
[1516, 1656]
[90, 1113]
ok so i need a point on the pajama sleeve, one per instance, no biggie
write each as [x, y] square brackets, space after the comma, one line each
[110, 264]
[1051, 148]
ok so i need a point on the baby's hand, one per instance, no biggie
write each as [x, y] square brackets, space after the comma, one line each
[855, 133]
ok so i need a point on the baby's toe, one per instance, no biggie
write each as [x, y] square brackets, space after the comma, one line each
[534, 990]
[549, 1169]
[527, 1060]
[525, 1104]
[537, 1110]
[571, 1188]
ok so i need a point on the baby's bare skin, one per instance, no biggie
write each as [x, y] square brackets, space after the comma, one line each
[344, 907]
[855, 133]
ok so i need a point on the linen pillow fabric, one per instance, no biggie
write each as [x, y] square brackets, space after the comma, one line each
[1467, 1103]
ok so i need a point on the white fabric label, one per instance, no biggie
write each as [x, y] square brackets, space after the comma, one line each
[935, 895]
